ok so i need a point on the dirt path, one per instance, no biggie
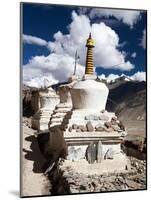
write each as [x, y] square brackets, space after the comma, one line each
[33, 181]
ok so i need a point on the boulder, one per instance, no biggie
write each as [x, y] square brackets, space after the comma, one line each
[70, 129]
[113, 121]
[110, 129]
[74, 126]
[89, 127]
[108, 124]
[100, 129]
[82, 128]
[121, 125]
[115, 127]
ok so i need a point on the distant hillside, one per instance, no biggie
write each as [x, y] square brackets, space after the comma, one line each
[128, 100]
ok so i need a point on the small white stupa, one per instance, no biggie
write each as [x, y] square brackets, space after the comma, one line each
[65, 104]
[47, 99]
[91, 133]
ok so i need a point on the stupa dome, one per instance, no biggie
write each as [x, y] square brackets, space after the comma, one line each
[89, 94]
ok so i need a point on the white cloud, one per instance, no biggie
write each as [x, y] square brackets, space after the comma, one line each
[59, 64]
[33, 40]
[54, 67]
[143, 40]
[133, 55]
[128, 17]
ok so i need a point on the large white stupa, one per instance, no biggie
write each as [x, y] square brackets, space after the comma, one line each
[92, 133]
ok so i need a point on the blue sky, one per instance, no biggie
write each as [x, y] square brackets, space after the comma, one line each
[119, 35]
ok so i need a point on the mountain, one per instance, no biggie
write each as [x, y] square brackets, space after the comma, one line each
[128, 100]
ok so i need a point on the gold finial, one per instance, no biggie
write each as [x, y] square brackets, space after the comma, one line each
[89, 59]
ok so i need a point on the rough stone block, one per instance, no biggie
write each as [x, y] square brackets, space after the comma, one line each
[89, 127]
[82, 128]
[121, 125]
[100, 129]
[108, 124]
[115, 127]
[110, 129]
[114, 122]
[70, 129]
[91, 153]
[74, 126]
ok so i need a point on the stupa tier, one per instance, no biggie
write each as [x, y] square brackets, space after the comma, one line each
[65, 104]
[47, 100]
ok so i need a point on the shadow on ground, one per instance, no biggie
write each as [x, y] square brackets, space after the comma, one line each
[35, 155]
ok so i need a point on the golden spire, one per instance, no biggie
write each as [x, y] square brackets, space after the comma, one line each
[89, 59]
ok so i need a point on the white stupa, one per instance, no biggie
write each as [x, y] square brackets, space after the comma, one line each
[92, 133]
[47, 99]
[65, 104]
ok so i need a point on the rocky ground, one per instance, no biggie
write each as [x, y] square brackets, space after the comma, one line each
[33, 180]
[66, 180]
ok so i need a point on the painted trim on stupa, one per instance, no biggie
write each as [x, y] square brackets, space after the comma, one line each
[89, 58]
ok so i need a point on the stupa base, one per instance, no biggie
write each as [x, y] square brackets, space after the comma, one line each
[41, 119]
[95, 146]
[120, 163]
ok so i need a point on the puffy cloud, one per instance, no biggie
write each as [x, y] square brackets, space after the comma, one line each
[59, 64]
[133, 55]
[33, 40]
[128, 17]
[54, 67]
[143, 40]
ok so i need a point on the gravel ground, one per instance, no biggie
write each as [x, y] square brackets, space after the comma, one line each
[67, 181]
[33, 180]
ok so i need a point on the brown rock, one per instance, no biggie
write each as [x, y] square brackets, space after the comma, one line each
[114, 118]
[70, 129]
[109, 129]
[89, 127]
[82, 128]
[108, 124]
[121, 125]
[115, 127]
[113, 121]
[100, 129]
[74, 126]
[132, 184]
